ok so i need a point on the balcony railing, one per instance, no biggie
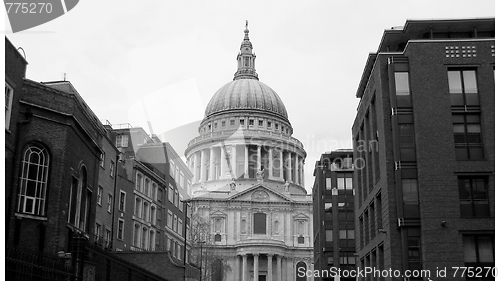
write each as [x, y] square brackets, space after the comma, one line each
[228, 135]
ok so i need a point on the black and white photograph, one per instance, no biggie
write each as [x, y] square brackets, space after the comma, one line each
[249, 140]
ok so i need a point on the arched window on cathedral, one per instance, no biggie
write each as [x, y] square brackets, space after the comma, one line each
[217, 272]
[300, 231]
[300, 267]
[300, 240]
[217, 237]
[33, 181]
[259, 223]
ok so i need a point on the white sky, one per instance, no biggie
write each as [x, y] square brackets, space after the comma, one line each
[170, 57]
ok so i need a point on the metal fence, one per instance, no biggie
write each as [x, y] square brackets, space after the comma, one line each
[26, 266]
[85, 262]
[106, 267]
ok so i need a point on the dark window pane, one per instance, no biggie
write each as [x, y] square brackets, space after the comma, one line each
[485, 249]
[466, 209]
[479, 188]
[415, 266]
[473, 193]
[469, 248]
[301, 239]
[406, 135]
[474, 138]
[476, 153]
[410, 190]
[259, 223]
[471, 99]
[29, 206]
[457, 99]
[473, 118]
[481, 209]
[461, 153]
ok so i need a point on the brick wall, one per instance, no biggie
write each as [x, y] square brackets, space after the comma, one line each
[161, 264]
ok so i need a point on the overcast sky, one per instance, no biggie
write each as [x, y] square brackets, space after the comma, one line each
[163, 60]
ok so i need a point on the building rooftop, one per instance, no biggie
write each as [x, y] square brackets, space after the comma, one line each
[396, 38]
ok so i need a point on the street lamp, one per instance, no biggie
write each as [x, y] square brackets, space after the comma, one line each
[201, 256]
[185, 205]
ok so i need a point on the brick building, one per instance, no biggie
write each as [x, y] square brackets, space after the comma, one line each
[151, 214]
[70, 189]
[425, 134]
[333, 212]
[56, 168]
[106, 190]
[15, 72]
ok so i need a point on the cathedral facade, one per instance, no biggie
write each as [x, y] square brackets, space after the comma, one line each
[248, 184]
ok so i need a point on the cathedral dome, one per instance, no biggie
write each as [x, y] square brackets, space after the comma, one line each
[250, 94]
[246, 138]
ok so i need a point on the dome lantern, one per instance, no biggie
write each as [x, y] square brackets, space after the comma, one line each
[246, 59]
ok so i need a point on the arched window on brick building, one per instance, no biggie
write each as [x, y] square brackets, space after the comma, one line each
[33, 180]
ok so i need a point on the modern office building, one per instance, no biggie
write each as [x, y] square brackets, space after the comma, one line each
[248, 186]
[333, 213]
[424, 150]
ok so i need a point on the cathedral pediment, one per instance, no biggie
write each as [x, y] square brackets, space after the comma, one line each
[218, 213]
[259, 193]
[300, 216]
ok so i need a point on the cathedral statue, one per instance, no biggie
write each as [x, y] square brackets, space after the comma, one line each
[286, 186]
[232, 185]
[260, 175]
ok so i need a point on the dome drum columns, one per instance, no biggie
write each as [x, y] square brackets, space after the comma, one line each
[244, 161]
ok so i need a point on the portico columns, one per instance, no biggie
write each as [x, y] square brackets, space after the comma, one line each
[269, 267]
[211, 164]
[255, 267]
[246, 161]
[244, 268]
[278, 267]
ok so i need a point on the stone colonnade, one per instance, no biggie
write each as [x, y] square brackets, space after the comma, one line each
[244, 160]
[274, 266]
